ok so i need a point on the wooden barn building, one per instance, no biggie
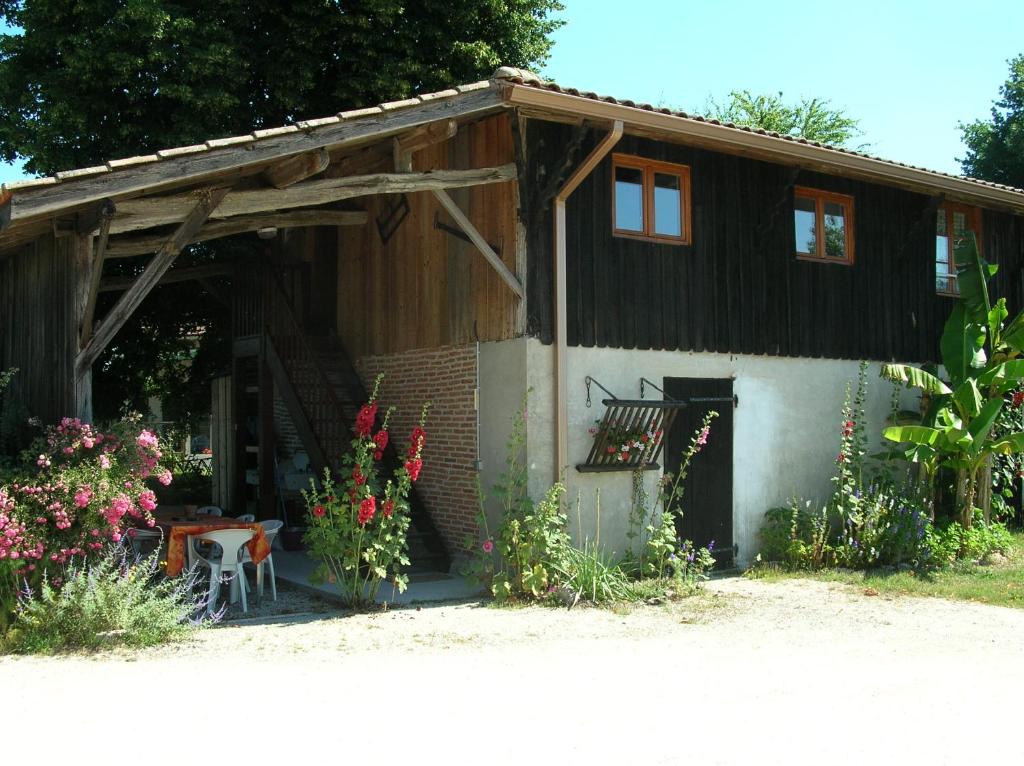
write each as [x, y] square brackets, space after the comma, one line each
[514, 239]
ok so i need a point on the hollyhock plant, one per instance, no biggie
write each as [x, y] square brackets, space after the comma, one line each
[358, 527]
[80, 488]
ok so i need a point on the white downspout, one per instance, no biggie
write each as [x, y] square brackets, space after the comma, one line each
[561, 329]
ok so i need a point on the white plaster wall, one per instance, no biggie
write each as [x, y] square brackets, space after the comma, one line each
[786, 428]
[502, 388]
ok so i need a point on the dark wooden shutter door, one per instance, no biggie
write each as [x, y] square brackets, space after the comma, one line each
[707, 501]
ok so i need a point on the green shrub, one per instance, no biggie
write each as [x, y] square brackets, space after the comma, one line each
[592, 575]
[113, 600]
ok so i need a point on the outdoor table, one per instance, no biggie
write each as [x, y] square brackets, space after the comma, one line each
[179, 530]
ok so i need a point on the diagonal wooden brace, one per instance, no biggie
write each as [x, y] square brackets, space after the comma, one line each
[158, 266]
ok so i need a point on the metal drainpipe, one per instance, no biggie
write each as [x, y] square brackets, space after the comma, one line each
[561, 330]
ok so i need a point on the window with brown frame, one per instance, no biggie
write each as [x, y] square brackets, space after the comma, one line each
[650, 200]
[952, 221]
[821, 211]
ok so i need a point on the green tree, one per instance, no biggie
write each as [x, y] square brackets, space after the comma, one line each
[92, 80]
[995, 149]
[97, 79]
[813, 119]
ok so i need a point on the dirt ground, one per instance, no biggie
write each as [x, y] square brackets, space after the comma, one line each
[749, 671]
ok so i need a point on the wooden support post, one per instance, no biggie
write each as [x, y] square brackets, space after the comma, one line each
[96, 273]
[83, 263]
[561, 311]
[297, 168]
[125, 307]
[481, 244]
[266, 446]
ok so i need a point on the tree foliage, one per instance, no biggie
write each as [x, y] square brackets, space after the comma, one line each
[995, 149]
[813, 119]
[97, 79]
[93, 80]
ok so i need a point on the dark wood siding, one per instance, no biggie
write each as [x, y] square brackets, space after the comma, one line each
[38, 326]
[739, 287]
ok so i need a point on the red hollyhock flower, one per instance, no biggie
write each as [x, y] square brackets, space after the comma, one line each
[381, 440]
[319, 511]
[389, 508]
[841, 458]
[1018, 399]
[367, 509]
[416, 441]
[414, 467]
[357, 477]
[365, 419]
[378, 455]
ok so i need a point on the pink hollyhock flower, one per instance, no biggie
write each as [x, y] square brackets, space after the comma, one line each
[319, 511]
[165, 478]
[88, 442]
[82, 497]
[104, 462]
[488, 546]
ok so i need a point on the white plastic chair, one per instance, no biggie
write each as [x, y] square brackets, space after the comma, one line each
[209, 510]
[246, 518]
[228, 540]
[270, 529]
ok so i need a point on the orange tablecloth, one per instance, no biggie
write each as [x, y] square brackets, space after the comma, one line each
[179, 532]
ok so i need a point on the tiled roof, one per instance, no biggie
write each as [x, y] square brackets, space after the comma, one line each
[527, 79]
[245, 140]
[517, 77]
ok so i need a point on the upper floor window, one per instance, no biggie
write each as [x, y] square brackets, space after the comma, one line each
[824, 225]
[952, 221]
[650, 200]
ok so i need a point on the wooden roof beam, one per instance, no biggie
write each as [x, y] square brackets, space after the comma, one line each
[130, 246]
[187, 274]
[208, 200]
[404, 146]
[297, 168]
[242, 155]
[147, 212]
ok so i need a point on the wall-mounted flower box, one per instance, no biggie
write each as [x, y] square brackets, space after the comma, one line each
[630, 435]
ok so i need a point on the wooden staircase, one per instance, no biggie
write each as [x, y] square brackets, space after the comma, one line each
[323, 393]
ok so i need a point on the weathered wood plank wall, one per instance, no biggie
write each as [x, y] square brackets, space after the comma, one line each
[39, 326]
[739, 288]
[425, 288]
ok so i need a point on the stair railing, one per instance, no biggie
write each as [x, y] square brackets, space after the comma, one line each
[325, 412]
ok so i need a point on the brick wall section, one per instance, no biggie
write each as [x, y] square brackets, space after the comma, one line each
[447, 378]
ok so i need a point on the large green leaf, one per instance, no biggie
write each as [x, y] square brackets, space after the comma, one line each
[1009, 445]
[996, 317]
[913, 435]
[1013, 333]
[981, 426]
[962, 344]
[968, 398]
[972, 275]
[1006, 374]
[914, 377]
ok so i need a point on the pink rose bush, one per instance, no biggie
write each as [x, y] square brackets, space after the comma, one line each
[358, 524]
[82, 488]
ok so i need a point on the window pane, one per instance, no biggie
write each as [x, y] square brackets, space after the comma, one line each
[667, 205]
[835, 230]
[959, 224]
[804, 220]
[629, 199]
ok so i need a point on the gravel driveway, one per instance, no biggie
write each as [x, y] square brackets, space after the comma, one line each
[749, 672]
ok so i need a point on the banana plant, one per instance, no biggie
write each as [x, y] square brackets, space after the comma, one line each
[981, 355]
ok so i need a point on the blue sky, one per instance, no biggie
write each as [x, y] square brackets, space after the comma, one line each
[909, 70]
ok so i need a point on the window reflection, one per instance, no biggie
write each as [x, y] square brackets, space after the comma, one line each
[667, 205]
[629, 199]
[804, 221]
